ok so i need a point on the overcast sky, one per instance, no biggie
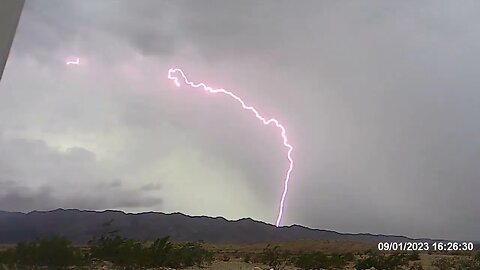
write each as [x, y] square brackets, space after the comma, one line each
[380, 100]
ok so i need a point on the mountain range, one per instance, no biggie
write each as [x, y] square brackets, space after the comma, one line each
[80, 226]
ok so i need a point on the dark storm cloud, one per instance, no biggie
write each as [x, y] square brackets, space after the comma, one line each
[14, 197]
[379, 99]
[63, 25]
[17, 198]
[36, 176]
[21, 159]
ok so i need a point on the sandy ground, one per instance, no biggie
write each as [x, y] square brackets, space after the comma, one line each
[232, 266]
[236, 253]
[426, 261]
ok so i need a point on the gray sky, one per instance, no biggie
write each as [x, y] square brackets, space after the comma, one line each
[379, 98]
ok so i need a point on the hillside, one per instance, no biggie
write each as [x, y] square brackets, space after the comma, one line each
[81, 226]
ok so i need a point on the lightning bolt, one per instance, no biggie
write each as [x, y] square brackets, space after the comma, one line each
[175, 79]
[76, 62]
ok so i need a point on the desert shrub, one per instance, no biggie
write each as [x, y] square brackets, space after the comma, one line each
[476, 257]
[7, 257]
[160, 252]
[58, 251]
[464, 263]
[128, 252]
[189, 254]
[339, 261]
[348, 256]
[378, 261]
[416, 266]
[414, 256]
[247, 258]
[273, 257]
[312, 261]
[225, 258]
[318, 260]
[467, 264]
[55, 252]
[443, 263]
[119, 250]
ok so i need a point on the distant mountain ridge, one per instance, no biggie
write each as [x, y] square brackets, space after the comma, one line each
[80, 226]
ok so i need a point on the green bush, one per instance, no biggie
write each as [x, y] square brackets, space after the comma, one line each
[416, 266]
[318, 260]
[414, 256]
[190, 254]
[387, 262]
[128, 252]
[53, 252]
[312, 261]
[273, 257]
[456, 263]
[57, 252]
[7, 257]
[443, 263]
[119, 250]
[160, 252]
[476, 257]
[247, 258]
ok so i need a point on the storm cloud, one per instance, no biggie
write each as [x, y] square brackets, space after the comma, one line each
[379, 99]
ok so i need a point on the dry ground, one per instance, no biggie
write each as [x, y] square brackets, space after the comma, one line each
[236, 253]
[329, 246]
[236, 264]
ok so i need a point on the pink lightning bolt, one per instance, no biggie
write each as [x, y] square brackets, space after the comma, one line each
[175, 79]
[76, 62]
